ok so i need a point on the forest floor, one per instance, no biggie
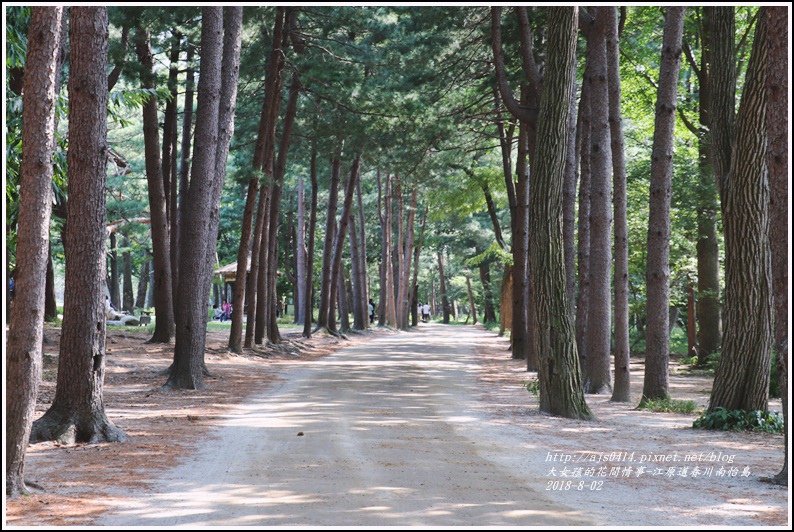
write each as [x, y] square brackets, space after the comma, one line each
[627, 468]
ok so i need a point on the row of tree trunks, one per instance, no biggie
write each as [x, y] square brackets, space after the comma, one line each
[25, 331]
[387, 312]
[248, 253]
[220, 37]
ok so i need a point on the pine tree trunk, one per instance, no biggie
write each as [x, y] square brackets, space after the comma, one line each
[388, 311]
[472, 306]
[777, 164]
[191, 320]
[362, 255]
[622, 388]
[50, 304]
[583, 250]
[328, 247]
[359, 318]
[558, 372]
[167, 161]
[599, 379]
[307, 306]
[25, 331]
[657, 335]
[161, 247]
[709, 334]
[443, 288]
[300, 255]
[143, 282]
[126, 262]
[113, 281]
[742, 378]
[77, 413]
[178, 196]
[519, 331]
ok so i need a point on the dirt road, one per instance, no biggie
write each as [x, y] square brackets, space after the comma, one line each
[383, 433]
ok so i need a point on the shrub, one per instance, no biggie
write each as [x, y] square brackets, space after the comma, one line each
[755, 421]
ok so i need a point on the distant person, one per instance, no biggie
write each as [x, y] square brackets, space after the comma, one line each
[371, 311]
[218, 312]
[426, 312]
[227, 311]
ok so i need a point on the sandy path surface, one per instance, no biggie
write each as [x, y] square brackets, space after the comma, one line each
[385, 433]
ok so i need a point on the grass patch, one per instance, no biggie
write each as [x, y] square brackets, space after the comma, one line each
[668, 405]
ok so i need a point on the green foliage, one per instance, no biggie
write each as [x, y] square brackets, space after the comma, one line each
[753, 421]
[533, 387]
[668, 405]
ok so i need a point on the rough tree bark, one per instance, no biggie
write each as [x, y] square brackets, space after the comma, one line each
[599, 379]
[742, 378]
[25, 331]
[777, 164]
[657, 333]
[77, 413]
[220, 38]
[560, 389]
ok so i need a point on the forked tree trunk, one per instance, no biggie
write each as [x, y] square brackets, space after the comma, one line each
[25, 331]
[77, 413]
[214, 124]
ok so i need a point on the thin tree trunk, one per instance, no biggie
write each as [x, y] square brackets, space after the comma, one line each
[170, 120]
[300, 255]
[113, 282]
[307, 307]
[126, 261]
[77, 413]
[443, 288]
[359, 317]
[25, 331]
[472, 306]
[143, 282]
[405, 263]
[50, 303]
[583, 251]
[417, 253]
[657, 343]
[275, 203]
[621, 391]
[161, 247]
[341, 231]
[330, 222]
[387, 312]
[178, 196]
[362, 255]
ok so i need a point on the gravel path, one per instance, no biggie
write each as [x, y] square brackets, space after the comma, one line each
[383, 433]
